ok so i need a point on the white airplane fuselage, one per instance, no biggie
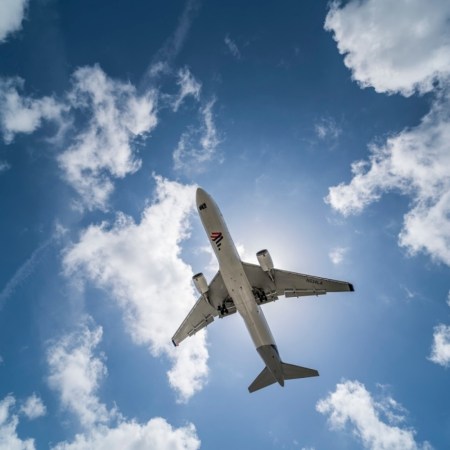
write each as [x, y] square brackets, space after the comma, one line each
[237, 283]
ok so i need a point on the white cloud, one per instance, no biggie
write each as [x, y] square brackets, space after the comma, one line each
[440, 350]
[4, 166]
[327, 129]
[198, 146]
[11, 15]
[188, 86]
[156, 434]
[76, 374]
[351, 404]
[19, 114]
[232, 47]
[401, 46]
[8, 428]
[337, 254]
[33, 407]
[415, 163]
[101, 151]
[140, 265]
[100, 117]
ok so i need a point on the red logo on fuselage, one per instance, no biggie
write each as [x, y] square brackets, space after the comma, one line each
[216, 236]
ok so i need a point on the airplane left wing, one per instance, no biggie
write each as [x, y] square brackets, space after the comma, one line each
[290, 284]
[216, 302]
[200, 315]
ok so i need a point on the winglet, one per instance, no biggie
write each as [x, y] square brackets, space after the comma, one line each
[174, 343]
[350, 287]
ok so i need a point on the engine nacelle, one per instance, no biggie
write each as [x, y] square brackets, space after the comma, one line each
[200, 283]
[265, 261]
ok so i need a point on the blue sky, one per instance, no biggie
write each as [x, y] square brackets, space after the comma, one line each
[321, 129]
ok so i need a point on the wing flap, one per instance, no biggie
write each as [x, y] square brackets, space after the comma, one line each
[303, 292]
[205, 322]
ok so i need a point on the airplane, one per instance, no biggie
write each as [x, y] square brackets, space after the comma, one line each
[243, 287]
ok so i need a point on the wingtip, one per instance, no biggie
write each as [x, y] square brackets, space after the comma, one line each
[174, 343]
[350, 287]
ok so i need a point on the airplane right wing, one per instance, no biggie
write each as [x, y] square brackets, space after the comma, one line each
[290, 284]
[216, 302]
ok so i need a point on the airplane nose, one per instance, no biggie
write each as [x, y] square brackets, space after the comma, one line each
[200, 196]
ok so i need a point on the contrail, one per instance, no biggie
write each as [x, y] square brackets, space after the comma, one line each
[24, 271]
[168, 52]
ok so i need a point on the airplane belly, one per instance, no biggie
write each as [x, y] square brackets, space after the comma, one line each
[258, 328]
[244, 300]
[232, 271]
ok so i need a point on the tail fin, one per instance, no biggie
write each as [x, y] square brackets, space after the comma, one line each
[290, 371]
[264, 379]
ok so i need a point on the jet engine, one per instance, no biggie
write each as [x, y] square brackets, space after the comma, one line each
[265, 261]
[200, 283]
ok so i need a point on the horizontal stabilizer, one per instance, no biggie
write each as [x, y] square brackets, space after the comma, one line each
[290, 371]
[264, 379]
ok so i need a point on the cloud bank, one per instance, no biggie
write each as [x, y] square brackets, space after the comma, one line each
[22, 114]
[156, 434]
[11, 15]
[376, 424]
[402, 51]
[76, 372]
[139, 264]
[8, 427]
[101, 149]
[415, 163]
[100, 124]
[401, 46]
[100, 120]
[76, 375]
